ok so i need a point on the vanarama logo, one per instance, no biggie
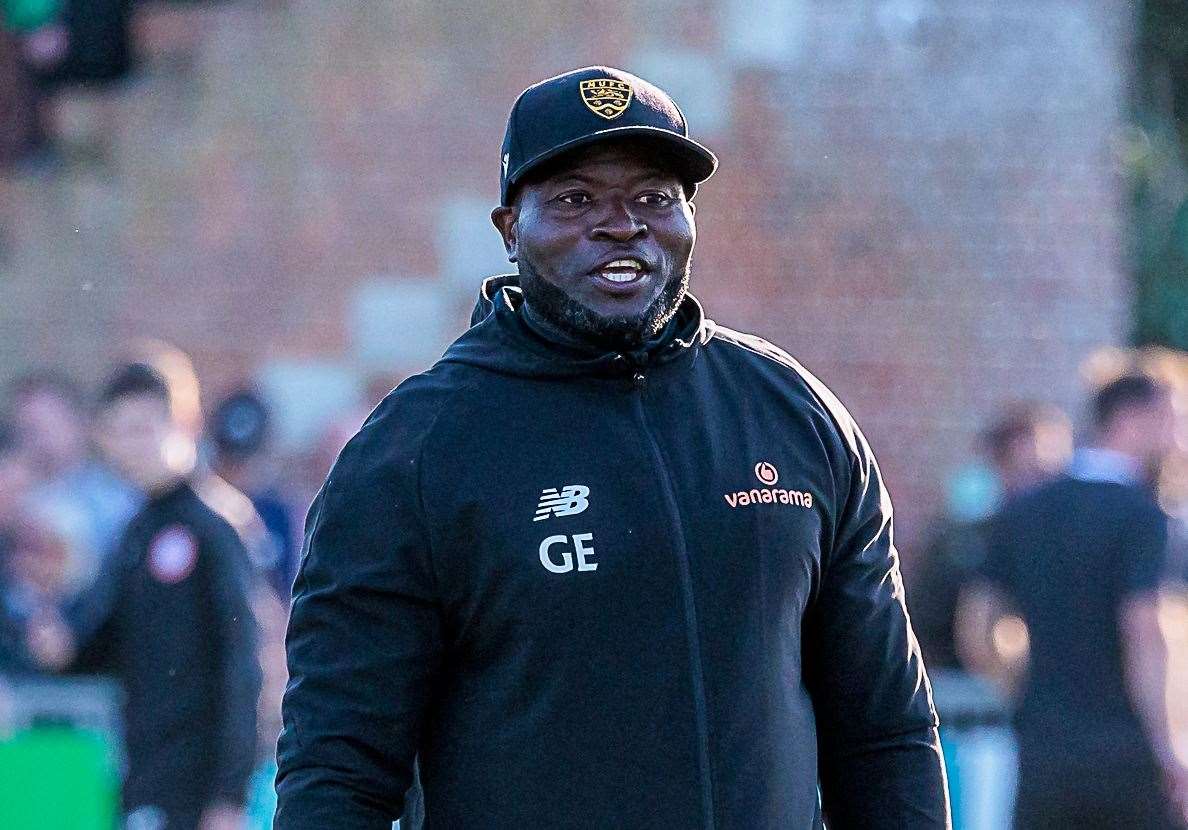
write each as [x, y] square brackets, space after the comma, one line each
[768, 494]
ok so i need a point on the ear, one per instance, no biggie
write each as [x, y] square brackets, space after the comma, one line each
[504, 220]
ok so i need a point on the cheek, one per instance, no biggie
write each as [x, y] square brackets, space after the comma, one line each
[551, 257]
[678, 241]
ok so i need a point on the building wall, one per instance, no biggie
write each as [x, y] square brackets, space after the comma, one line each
[918, 199]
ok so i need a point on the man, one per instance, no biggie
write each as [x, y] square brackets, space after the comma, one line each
[1025, 445]
[48, 412]
[170, 618]
[606, 564]
[16, 479]
[239, 432]
[1083, 559]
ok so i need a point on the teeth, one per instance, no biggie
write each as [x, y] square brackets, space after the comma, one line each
[619, 276]
[626, 263]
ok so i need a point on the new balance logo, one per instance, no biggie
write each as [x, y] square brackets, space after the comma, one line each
[573, 499]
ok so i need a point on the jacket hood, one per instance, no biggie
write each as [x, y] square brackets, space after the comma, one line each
[500, 340]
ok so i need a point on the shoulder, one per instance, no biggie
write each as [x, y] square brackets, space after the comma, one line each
[225, 507]
[766, 360]
[389, 444]
[216, 514]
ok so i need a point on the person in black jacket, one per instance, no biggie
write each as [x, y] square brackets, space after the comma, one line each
[170, 617]
[1084, 561]
[607, 563]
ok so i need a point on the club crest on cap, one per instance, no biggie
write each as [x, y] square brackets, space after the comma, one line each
[608, 97]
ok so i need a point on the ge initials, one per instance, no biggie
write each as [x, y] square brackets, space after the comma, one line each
[581, 551]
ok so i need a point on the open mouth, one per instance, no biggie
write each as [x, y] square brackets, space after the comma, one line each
[622, 271]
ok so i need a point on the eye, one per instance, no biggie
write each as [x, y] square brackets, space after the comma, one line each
[574, 197]
[656, 198]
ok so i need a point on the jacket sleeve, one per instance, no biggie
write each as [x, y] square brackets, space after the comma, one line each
[879, 753]
[363, 645]
[235, 638]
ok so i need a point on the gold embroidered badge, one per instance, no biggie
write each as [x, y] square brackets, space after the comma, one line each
[606, 96]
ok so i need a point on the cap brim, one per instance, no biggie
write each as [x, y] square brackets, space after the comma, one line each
[695, 161]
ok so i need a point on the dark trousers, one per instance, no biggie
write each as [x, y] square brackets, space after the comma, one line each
[1090, 793]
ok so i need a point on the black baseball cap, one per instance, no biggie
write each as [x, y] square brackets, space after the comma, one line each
[594, 104]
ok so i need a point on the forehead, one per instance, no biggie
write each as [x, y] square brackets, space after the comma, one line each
[136, 407]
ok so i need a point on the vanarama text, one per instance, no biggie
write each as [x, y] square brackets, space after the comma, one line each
[769, 495]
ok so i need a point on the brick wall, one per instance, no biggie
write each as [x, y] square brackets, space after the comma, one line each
[916, 198]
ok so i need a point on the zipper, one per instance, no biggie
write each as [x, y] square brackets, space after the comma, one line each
[639, 379]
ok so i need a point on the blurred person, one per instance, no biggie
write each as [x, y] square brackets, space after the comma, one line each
[185, 407]
[607, 563]
[171, 618]
[1025, 445]
[15, 482]
[34, 583]
[16, 479]
[239, 433]
[32, 39]
[46, 409]
[52, 423]
[77, 61]
[1083, 560]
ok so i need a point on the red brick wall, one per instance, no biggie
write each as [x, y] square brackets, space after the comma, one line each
[917, 199]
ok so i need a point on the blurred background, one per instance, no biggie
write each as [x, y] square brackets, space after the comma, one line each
[283, 206]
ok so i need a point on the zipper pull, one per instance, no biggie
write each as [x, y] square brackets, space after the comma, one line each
[639, 379]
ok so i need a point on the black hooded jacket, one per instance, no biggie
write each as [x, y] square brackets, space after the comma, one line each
[585, 590]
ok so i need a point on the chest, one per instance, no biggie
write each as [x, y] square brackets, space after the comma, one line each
[585, 503]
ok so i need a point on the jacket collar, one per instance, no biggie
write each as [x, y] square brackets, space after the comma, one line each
[501, 339]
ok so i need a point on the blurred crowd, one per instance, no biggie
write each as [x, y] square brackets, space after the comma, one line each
[142, 541]
[113, 498]
[62, 60]
[1051, 598]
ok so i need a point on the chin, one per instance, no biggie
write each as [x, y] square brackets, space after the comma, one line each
[606, 323]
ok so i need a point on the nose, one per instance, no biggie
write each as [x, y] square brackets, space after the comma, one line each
[618, 222]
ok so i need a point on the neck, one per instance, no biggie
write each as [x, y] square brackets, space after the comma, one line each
[1118, 444]
[164, 484]
[556, 334]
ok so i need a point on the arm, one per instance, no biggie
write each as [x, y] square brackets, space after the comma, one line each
[880, 760]
[79, 638]
[234, 639]
[991, 641]
[1145, 651]
[364, 643]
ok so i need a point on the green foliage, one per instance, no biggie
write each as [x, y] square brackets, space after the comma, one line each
[1155, 155]
[26, 15]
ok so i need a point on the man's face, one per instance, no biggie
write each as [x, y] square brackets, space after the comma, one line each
[1159, 424]
[603, 242]
[52, 431]
[1148, 431]
[137, 436]
[1038, 453]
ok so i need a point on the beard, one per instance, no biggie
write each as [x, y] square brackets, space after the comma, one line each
[561, 310]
